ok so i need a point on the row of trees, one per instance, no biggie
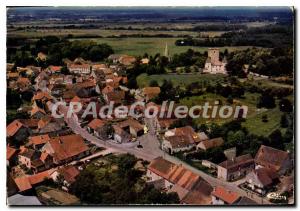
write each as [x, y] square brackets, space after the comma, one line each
[57, 49]
[268, 36]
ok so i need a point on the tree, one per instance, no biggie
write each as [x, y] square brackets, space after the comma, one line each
[285, 105]
[288, 136]
[276, 139]
[264, 118]
[284, 122]
[64, 70]
[235, 138]
[118, 182]
[215, 130]
[266, 100]
[230, 99]
[153, 83]
[13, 99]
[167, 92]
[132, 83]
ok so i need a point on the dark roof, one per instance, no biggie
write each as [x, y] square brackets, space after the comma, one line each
[200, 193]
[37, 163]
[265, 176]
[179, 141]
[211, 143]
[237, 163]
[270, 157]
[30, 153]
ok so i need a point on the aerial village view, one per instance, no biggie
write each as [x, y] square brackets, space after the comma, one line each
[150, 106]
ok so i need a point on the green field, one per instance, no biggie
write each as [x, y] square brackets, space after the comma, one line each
[179, 80]
[253, 121]
[140, 46]
[37, 33]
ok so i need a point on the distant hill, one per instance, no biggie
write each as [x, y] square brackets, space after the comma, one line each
[151, 13]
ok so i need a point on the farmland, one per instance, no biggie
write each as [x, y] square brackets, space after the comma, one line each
[179, 80]
[151, 46]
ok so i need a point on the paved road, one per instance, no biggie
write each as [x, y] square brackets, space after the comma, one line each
[152, 150]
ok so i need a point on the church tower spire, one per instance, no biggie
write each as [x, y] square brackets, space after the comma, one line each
[166, 54]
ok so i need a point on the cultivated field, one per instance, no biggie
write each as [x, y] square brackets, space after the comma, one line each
[140, 46]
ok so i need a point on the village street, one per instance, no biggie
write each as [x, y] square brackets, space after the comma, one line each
[151, 149]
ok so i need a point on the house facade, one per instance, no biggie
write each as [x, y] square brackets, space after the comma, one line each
[236, 168]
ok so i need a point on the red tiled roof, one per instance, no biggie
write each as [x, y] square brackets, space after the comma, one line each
[183, 177]
[69, 173]
[107, 89]
[65, 147]
[271, 158]
[44, 121]
[95, 123]
[26, 182]
[166, 123]
[54, 68]
[13, 128]
[98, 66]
[76, 99]
[39, 177]
[41, 95]
[23, 80]
[225, 195]
[10, 152]
[187, 131]
[161, 167]
[179, 141]
[116, 96]
[40, 139]
[22, 149]
[36, 109]
[85, 66]
[173, 173]
[44, 156]
[23, 183]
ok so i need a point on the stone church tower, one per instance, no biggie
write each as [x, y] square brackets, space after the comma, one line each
[214, 54]
[213, 65]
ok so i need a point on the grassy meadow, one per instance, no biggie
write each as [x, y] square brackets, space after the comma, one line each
[253, 122]
[143, 80]
[140, 46]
